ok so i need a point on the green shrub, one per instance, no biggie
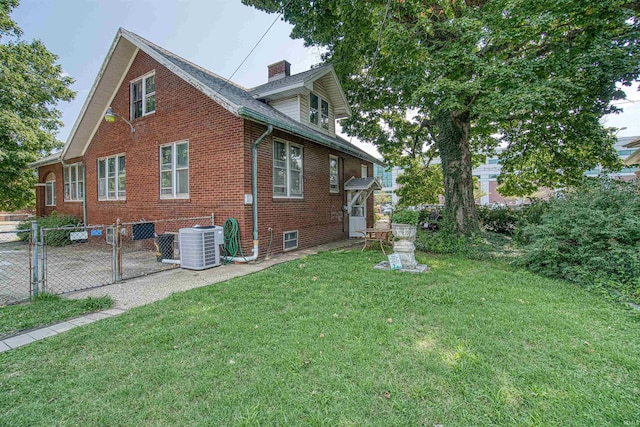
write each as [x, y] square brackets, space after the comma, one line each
[54, 237]
[531, 215]
[405, 216]
[590, 236]
[500, 220]
[442, 242]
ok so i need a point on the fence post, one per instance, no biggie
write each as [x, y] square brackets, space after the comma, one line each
[117, 239]
[35, 259]
[42, 282]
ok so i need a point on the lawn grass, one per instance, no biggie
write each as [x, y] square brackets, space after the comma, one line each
[45, 310]
[327, 340]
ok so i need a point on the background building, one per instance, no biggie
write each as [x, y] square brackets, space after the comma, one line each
[488, 172]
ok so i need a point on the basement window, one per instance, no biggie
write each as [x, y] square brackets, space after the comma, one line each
[289, 240]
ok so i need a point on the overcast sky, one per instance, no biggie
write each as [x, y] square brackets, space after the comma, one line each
[215, 34]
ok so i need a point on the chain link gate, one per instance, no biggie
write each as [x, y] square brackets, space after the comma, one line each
[76, 258]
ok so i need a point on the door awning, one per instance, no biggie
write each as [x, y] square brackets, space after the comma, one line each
[355, 184]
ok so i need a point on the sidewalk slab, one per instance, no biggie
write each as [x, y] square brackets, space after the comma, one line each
[39, 334]
[97, 316]
[4, 347]
[62, 327]
[80, 321]
[113, 311]
[19, 341]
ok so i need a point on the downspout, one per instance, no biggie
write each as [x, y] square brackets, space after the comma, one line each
[254, 197]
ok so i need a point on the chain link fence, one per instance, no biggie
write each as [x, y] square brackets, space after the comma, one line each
[75, 258]
[15, 265]
[147, 247]
[67, 259]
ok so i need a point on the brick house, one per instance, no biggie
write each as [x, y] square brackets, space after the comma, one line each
[179, 144]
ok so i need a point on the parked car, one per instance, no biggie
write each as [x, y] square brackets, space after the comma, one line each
[387, 209]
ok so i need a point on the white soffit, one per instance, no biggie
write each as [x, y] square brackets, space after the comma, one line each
[106, 84]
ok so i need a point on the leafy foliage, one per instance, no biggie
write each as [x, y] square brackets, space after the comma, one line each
[54, 237]
[591, 235]
[31, 83]
[419, 184]
[501, 220]
[444, 78]
[405, 216]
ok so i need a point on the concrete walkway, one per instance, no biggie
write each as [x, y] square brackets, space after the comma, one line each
[145, 290]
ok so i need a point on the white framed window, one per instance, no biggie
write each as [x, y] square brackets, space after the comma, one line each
[287, 169]
[318, 111]
[143, 95]
[289, 240]
[73, 182]
[313, 108]
[112, 176]
[174, 170]
[50, 190]
[364, 171]
[334, 183]
[324, 114]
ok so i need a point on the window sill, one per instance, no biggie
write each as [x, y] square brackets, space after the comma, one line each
[145, 116]
[286, 199]
[176, 198]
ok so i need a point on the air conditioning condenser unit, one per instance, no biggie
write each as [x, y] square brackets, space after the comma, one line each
[200, 247]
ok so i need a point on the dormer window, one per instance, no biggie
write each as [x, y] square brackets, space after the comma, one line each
[324, 114]
[143, 95]
[313, 108]
[318, 111]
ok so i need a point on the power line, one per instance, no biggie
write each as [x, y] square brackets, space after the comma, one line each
[254, 47]
[375, 54]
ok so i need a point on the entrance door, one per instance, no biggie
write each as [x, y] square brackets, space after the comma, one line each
[358, 213]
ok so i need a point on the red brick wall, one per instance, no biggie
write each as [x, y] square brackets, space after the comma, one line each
[62, 207]
[219, 168]
[182, 113]
[318, 217]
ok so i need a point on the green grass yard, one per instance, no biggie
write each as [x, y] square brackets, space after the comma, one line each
[328, 340]
[45, 310]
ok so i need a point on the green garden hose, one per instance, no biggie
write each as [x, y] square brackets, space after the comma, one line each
[232, 241]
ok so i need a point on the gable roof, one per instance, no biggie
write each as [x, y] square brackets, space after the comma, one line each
[367, 183]
[303, 83]
[236, 99]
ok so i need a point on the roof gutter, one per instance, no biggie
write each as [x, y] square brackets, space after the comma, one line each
[248, 113]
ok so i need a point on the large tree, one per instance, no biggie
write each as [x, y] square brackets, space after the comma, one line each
[31, 83]
[455, 77]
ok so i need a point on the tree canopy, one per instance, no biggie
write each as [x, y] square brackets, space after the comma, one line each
[31, 83]
[450, 78]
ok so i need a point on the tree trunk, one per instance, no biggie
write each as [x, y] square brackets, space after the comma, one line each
[455, 153]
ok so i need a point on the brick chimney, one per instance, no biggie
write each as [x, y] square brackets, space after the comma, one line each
[279, 70]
